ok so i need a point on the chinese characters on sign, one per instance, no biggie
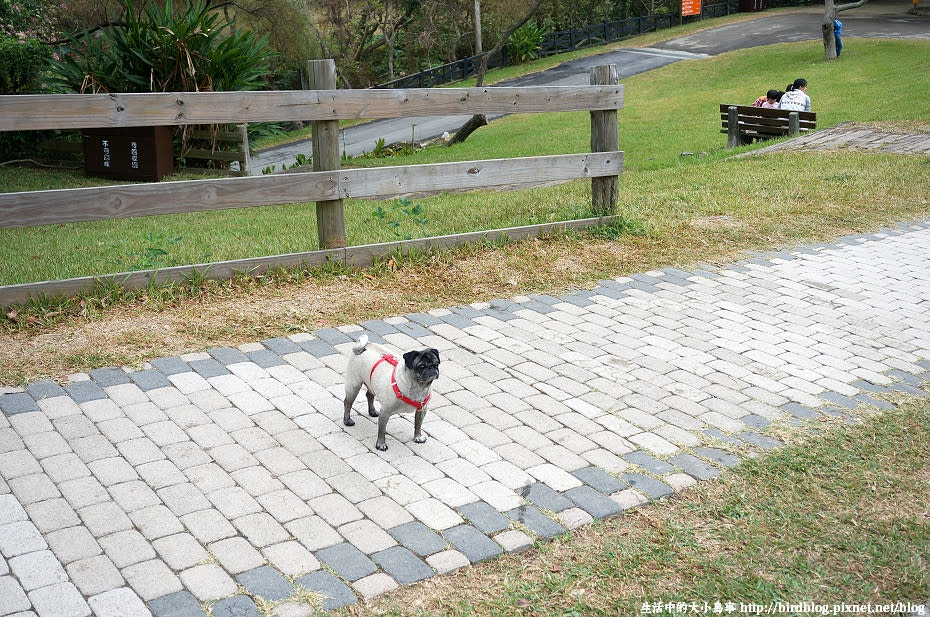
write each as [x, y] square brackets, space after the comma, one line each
[129, 153]
[690, 7]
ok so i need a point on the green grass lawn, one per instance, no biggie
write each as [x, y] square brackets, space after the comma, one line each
[668, 112]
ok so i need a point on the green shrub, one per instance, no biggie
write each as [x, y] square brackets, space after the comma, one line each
[524, 43]
[21, 63]
[163, 50]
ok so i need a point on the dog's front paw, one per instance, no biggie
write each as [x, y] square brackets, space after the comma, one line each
[381, 446]
[373, 413]
[419, 439]
[349, 422]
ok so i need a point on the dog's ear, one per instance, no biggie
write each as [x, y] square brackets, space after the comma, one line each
[434, 352]
[410, 357]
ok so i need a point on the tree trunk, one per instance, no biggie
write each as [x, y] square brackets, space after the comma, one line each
[829, 41]
[480, 120]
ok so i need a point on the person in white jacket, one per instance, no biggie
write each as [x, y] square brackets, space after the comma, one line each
[795, 97]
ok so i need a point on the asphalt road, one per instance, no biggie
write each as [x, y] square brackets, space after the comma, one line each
[876, 19]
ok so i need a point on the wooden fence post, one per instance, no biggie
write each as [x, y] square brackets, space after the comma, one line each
[604, 138]
[244, 158]
[330, 217]
[794, 124]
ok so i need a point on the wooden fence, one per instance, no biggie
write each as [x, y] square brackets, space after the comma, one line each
[327, 185]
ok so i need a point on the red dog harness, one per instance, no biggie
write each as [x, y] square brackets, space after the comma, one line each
[418, 405]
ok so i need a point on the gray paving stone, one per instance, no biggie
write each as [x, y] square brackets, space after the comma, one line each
[335, 592]
[170, 366]
[265, 358]
[281, 346]
[413, 330]
[539, 523]
[694, 466]
[485, 517]
[377, 326]
[840, 400]
[457, 321]
[908, 389]
[317, 348]
[594, 503]
[651, 487]
[332, 336]
[599, 480]
[875, 402]
[227, 355]
[716, 433]
[404, 566]
[179, 604]
[905, 377]
[754, 421]
[472, 543]
[18, 402]
[122, 602]
[418, 538]
[109, 376]
[346, 561]
[149, 379]
[545, 497]
[13, 596]
[59, 600]
[761, 441]
[45, 388]
[209, 368]
[266, 582]
[647, 462]
[84, 391]
[423, 319]
[236, 606]
[800, 411]
[721, 457]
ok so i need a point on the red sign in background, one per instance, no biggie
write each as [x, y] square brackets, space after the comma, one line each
[690, 7]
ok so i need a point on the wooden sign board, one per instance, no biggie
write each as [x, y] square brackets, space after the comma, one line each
[690, 7]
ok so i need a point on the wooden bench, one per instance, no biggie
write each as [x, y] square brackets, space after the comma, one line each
[745, 123]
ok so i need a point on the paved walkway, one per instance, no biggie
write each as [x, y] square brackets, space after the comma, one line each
[847, 136]
[157, 491]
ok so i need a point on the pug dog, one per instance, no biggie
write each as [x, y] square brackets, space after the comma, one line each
[401, 386]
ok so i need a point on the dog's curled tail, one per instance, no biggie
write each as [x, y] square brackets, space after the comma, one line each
[359, 347]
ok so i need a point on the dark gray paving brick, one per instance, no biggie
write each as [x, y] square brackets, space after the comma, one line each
[457, 321]
[281, 346]
[645, 287]
[236, 606]
[209, 368]
[418, 538]
[317, 348]
[905, 377]
[908, 389]
[544, 298]
[594, 503]
[537, 307]
[875, 402]
[721, 457]
[84, 391]
[227, 355]
[599, 480]
[651, 487]
[609, 292]
[509, 306]
[179, 604]
[404, 566]
[761, 441]
[170, 366]
[376, 326]
[693, 466]
[266, 582]
[800, 411]
[868, 386]
[576, 300]
[923, 364]
[754, 421]
[332, 336]
[335, 592]
[485, 517]
[542, 525]
[265, 358]
[413, 330]
[472, 543]
[347, 561]
[716, 433]
[840, 400]
[676, 273]
[45, 388]
[149, 379]
[18, 402]
[649, 463]
[545, 497]
[423, 319]
[468, 312]
[109, 376]
[500, 314]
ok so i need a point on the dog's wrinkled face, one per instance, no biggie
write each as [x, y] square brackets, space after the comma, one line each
[424, 365]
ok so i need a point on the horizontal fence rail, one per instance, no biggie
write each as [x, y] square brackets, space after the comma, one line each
[328, 185]
[121, 201]
[76, 111]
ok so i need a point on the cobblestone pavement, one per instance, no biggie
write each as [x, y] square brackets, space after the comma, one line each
[214, 479]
